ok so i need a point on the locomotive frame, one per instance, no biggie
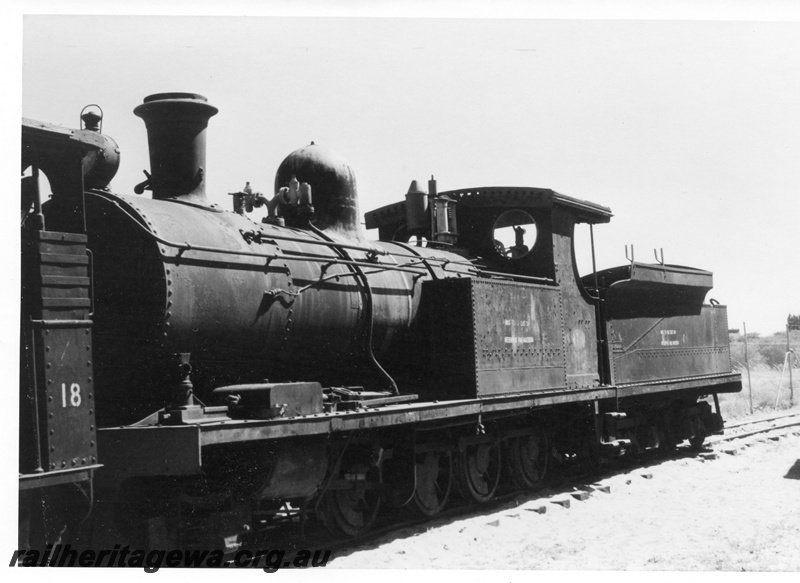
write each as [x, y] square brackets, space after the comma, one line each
[449, 367]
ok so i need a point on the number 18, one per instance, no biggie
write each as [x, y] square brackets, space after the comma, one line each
[74, 395]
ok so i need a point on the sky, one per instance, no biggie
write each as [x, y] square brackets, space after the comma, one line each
[686, 128]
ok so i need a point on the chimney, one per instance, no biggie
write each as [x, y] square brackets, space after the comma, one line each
[176, 135]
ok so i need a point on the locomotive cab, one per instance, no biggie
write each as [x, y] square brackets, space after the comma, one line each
[525, 323]
[511, 230]
[522, 231]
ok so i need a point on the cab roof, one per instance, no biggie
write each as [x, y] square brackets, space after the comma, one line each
[499, 196]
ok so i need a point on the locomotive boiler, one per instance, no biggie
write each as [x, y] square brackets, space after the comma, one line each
[243, 300]
[238, 366]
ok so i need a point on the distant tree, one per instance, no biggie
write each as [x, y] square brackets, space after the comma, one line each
[773, 354]
[793, 322]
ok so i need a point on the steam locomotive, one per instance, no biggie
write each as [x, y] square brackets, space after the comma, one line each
[189, 372]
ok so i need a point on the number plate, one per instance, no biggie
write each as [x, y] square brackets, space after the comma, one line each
[66, 396]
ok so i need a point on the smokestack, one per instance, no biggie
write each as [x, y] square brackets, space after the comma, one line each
[176, 135]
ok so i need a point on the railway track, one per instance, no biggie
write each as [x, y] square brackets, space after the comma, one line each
[751, 427]
[562, 489]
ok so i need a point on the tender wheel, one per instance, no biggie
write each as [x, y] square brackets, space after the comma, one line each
[434, 473]
[352, 511]
[527, 459]
[479, 471]
[666, 439]
[699, 430]
[696, 442]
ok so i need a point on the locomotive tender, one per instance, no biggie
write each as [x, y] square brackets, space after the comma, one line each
[188, 371]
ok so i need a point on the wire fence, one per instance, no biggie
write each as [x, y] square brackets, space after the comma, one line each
[770, 368]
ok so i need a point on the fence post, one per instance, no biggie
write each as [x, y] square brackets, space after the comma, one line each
[790, 359]
[747, 366]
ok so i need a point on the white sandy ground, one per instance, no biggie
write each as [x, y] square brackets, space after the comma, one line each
[735, 513]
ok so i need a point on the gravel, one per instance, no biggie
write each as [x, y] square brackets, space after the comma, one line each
[737, 511]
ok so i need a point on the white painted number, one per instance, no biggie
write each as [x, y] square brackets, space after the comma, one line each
[74, 395]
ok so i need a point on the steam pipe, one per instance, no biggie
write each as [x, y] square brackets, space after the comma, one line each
[368, 317]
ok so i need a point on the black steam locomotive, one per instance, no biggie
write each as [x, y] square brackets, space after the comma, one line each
[189, 372]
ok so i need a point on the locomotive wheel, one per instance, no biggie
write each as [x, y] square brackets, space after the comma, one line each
[666, 439]
[527, 457]
[141, 511]
[434, 473]
[696, 442]
[479, 471]
[352, 511]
